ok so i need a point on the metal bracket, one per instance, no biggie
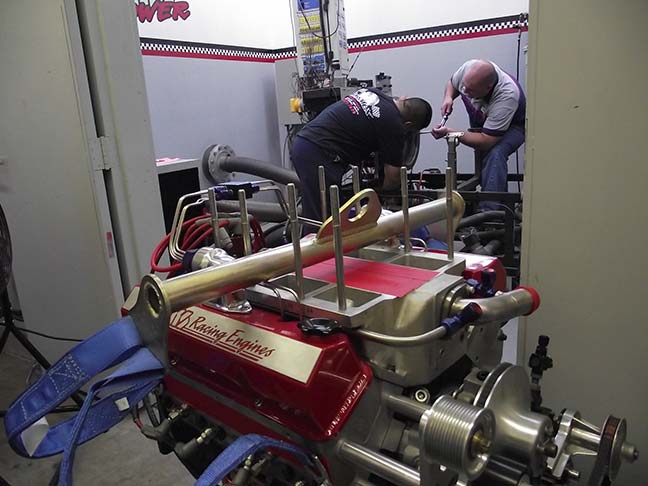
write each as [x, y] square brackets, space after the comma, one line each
[103, 153]
[431, 473]
[212, 158]
[108, 152]
[152, 315]
[453, 141]
[367, 217]
[577, 437]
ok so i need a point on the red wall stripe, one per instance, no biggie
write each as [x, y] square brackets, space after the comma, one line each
[222, 57]
[391, 45]
[434, 40]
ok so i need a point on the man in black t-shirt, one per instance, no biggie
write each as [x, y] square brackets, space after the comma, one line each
[347, 132]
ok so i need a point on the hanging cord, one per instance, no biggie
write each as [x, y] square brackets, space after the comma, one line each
[46, 336]
[517, 76]
[354, 62]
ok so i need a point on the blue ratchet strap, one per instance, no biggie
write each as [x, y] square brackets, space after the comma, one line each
[135, 379]
[239, 450]
[107, 348]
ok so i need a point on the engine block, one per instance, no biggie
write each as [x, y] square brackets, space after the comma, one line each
[393, 378]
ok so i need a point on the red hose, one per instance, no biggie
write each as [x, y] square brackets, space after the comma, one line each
[259, 241]
[191, 223]
[190, 242]
[196, 233]
[191, 231]
[200, 239]
[159, 250]
[207, 232]
[157, 254]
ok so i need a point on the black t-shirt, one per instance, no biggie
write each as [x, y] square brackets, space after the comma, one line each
[364, 122]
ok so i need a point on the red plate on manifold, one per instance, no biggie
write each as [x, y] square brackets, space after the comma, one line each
[378, 277]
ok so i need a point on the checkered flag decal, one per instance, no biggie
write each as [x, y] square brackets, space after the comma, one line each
[382, 41]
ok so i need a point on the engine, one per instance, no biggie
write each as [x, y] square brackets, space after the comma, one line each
[381, 360]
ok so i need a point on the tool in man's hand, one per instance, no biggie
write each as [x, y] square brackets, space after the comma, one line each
[444, 120]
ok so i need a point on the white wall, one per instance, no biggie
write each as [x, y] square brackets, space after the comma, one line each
[368, 17]
[189, 119]
[266, 23]
[211, 108]
[253, 23]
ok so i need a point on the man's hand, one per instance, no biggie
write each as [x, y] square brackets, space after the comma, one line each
[440, 132]
[446, 106]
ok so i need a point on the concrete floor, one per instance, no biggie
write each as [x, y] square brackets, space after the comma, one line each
[122, 456]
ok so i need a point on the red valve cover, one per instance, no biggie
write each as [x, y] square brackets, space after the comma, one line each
[308, 384]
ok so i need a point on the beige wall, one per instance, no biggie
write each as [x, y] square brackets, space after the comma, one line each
[53, 182]
[585, 212]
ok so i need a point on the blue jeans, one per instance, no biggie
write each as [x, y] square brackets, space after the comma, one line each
[307, 157]
[495, 163]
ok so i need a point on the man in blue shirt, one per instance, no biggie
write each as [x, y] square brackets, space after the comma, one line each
[347, 132]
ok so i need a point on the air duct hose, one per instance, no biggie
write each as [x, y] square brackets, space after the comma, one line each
[259, 168]
[266, 212]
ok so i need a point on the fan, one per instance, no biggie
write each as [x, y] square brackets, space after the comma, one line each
[5, 252]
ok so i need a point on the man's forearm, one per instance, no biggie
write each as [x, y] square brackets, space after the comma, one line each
[479, 141]
[450, 91]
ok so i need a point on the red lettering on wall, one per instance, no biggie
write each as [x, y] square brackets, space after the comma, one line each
[161, 9]
[145, 12]
[181, 10]
[164, 11]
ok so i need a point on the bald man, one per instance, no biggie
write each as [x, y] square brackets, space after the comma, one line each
[496, 104]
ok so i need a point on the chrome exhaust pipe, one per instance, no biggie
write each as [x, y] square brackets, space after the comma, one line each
[521, 301]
